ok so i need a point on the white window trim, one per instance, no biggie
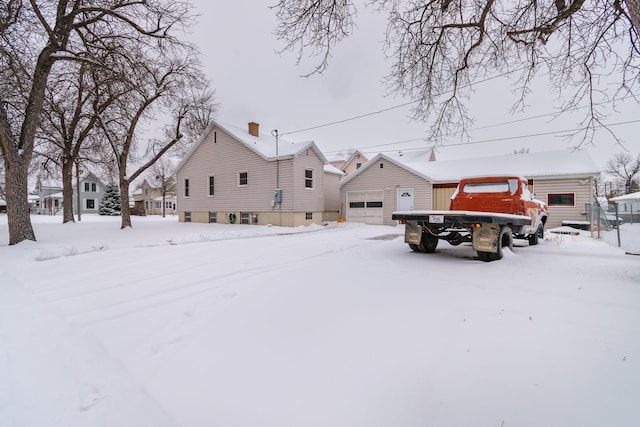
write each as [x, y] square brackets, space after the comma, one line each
[238, 182]
[184, 180]
[209, 186]
[313, 179]
[87, 208]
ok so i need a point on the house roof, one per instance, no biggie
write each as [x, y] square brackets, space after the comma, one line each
[263, 145]
[329, 168]
[631, 197]
[545, 164]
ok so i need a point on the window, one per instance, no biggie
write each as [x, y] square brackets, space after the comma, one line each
[308, 215]
[211, 186]
[244, 217]
[187, 217]
[562, 199]
[356, 204]
[486, 187]
[90, 204]
[186, 187]
[374, 204]
[381, 165]
[94, 188]
[158, 204]
[243, 178]
[213, 217]
[308, 178]
[358, 165]
[86, 187]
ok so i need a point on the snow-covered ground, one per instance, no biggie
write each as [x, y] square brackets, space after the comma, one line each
[170, 324]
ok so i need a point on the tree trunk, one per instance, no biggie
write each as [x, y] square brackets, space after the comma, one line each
[18, 215]
[67, 192]
[633, 6]
[125, 212]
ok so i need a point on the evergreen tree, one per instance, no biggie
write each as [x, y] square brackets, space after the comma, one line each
[110, 203]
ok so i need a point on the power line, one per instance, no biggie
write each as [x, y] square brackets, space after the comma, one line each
[361, 116]
[485, 141]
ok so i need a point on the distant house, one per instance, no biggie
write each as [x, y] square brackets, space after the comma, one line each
[235, 175]
[409, 180]
[148, 198]
[49, 197]
[351, 163]
[92, 190]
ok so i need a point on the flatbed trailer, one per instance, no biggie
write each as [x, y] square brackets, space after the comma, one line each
[488, 232]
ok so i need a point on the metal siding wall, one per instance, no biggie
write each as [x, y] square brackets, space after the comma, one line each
[224, 160]
[442, 198]
[389, 179]
[583, 195]
[331, 192]
[308, 200]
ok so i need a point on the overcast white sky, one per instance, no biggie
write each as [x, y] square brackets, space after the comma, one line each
[254, 83]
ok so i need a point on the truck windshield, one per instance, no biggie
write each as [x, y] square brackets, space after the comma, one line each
[486, 187]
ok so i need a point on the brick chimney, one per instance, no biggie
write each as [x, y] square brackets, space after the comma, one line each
[254, 129]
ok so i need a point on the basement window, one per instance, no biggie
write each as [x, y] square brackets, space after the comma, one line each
[187, 217]
[213, 217]
[244, 217]
[308, 215]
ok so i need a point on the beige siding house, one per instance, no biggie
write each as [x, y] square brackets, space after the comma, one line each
[355, 161]
[332, 178]
[414, 180]
[235, 175]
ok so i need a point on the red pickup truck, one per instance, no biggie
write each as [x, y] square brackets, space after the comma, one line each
[487, 211]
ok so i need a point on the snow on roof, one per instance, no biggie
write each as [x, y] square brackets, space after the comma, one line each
[329, 168]
[264, 145]
[631, 197]
[544, 164]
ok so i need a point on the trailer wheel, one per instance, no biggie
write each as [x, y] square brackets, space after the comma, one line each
[415, 248]
[429, 242]
[539, 234]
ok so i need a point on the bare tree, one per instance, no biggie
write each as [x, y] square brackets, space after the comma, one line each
[74, 101]
[36, 35]
[440, 48]
[165, 83]
[163, 177]
[625, 169]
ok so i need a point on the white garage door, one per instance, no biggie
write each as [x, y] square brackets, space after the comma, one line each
[365, 207]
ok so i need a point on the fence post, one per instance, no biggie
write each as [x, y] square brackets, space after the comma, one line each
[618, 224]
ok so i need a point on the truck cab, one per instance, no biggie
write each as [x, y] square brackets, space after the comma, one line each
[504, 194]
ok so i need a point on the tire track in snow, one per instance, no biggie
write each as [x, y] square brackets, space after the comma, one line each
[198, 288]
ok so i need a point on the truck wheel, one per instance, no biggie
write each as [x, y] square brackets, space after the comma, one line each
[415, 248]
[539, 234]
[429, 242]
[505, 239]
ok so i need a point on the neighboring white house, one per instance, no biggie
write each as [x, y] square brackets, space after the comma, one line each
[92, 190]
[414, 180]
[239, 175]
[49, 197]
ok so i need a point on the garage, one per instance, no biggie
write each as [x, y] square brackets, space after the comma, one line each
[365, 207]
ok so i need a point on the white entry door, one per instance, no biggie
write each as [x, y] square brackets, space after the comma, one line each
[405, 199]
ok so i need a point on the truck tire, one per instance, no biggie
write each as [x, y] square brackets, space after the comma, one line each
[539, 234]
[505, 239]
[429, 242]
